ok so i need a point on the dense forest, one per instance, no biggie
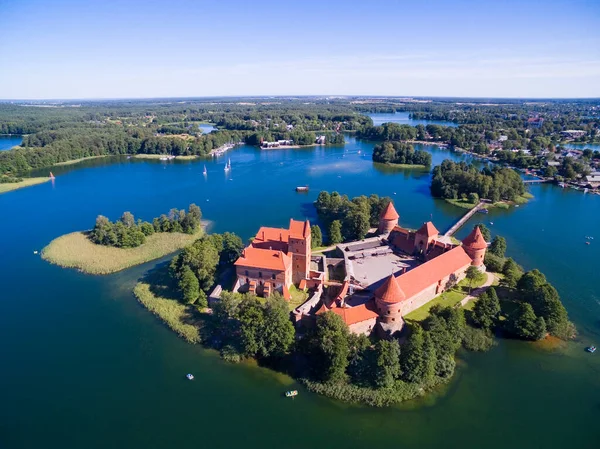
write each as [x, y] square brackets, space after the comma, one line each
[346, 219]
[127, 233]
[455, 180]
[400, 153]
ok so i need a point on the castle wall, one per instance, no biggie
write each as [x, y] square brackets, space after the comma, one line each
[264, 275]
[364, 327]
[427, 294]
[300, 251]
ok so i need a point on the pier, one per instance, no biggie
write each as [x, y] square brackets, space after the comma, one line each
[464, 219]
[222, 149]
[535, 181]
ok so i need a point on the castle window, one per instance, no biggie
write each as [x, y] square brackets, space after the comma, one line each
[388, 312]
[246, 272]
[273, 276]
[260, 274]
[393, 319]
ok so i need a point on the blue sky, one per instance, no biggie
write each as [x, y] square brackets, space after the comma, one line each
[110, 49]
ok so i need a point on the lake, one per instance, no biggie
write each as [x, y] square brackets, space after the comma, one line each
[84, 365]
[403, 118]
[7, 142]
[206, 128]
[581, 146]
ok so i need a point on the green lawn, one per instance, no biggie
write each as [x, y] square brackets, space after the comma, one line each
[447, 299]
[298, 297]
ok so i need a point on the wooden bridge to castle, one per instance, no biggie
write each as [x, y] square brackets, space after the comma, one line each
[535, 181]
[464, 219]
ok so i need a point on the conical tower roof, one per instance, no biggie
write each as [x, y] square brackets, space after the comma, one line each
[390, 291]
[428, 229]
[389, 213]
[475, 239]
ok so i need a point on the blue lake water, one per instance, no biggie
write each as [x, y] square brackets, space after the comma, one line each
[84, 365]
[402, 118]
[206, 128]
[7, 142]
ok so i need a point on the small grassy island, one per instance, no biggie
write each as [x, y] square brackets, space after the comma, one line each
[111, 247]
[401, 155]
[8, 184]
[464, 185]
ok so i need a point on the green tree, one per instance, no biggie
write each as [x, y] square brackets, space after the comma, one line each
[417, 356]
[316, 236]
[335, 232]
[128, 219]
[493, 263]
[498, 246]
[328, 348]
[473, 275]
[486, 309]
[278, 332]
[232, 247]
[188, 285]
[473, 198]
[526, 325]
[512, 273]
[387, 363]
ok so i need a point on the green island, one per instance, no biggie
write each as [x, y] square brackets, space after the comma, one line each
[112, 247]
[466, 186]
[326, 351]
[7, 185]
[401, 155]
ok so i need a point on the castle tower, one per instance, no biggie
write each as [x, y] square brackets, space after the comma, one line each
[475, 246]
[299, 248]
[388, 299]
[425, 236]
[388, 219]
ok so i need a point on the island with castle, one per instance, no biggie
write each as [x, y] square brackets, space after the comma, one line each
[387, 276]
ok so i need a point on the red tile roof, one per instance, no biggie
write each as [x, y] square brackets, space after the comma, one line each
[263, 258]
[431, 272]
[389, 213]
[265, 234]
[428, 229]
[357, 314]
[475, 239]
[390, 291]
[299, 229]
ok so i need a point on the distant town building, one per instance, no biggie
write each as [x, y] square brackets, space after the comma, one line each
[535, 122]
[573, 133]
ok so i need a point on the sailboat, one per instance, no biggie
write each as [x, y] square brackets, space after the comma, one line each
[51, 175]
[228, 165]
[204, 172]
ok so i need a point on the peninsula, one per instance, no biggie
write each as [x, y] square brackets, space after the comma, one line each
[8, 185]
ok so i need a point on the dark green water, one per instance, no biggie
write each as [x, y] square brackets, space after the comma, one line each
[83, 365]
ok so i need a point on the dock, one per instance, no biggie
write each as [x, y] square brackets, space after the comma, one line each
[464, 219]
[535, 181]
[222, 149]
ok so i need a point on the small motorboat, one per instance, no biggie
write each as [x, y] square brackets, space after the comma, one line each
[204, 172]
[483, 211]
[35, 252]
[190, 376]
[587, 243]
[291, 393]
[591, 349]
[302, 189]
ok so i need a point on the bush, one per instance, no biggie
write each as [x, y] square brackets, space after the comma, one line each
[493, 263]
[477, 339]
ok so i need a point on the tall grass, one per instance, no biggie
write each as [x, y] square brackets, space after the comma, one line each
[179, 317]
[75, 250]
[8, 186]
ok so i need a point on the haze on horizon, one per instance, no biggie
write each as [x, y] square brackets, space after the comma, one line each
[62, 49]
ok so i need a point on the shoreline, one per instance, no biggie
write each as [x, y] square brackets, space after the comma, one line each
[76, 161]
[392, 165]
[158, 156]
[27, 182]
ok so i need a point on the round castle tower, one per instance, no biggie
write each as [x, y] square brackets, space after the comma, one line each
[475, 246]
[388, 299]
[388, 219]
